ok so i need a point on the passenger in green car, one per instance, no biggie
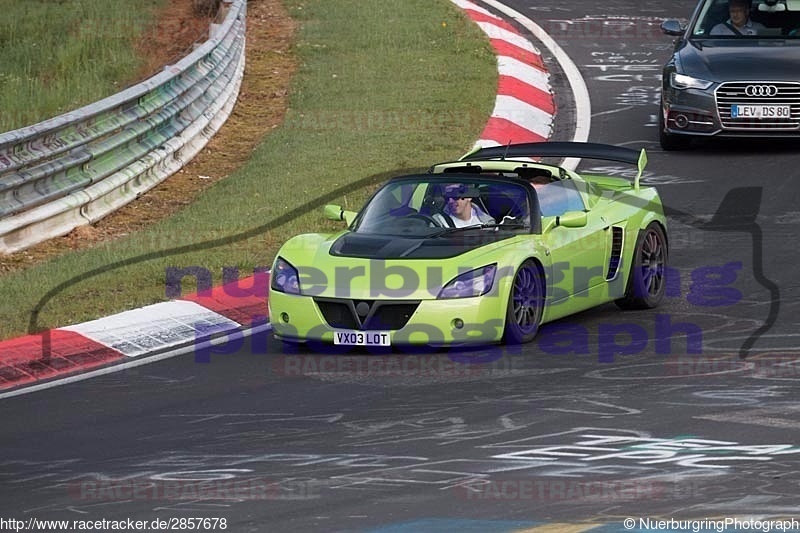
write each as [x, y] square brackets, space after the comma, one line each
[538, 177]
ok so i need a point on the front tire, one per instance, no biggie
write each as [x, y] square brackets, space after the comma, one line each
[525, 304]
[647, 279]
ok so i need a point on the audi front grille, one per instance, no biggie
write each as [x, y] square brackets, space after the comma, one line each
[759, 93]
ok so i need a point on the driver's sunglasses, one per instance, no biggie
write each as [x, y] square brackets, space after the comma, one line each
[448, 197]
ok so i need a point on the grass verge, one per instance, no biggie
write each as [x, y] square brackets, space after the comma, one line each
[382, 87]
[58, 56]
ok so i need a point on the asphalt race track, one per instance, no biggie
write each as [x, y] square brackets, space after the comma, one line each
[686, 412]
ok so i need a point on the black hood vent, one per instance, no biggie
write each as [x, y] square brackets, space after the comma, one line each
[369, 246]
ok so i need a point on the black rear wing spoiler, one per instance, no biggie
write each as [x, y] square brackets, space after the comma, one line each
[605, 152]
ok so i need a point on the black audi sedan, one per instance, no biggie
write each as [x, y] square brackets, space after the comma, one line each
[734, 72]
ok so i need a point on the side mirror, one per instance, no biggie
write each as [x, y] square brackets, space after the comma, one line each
[336, 212]
[572, 219]
[672, 27]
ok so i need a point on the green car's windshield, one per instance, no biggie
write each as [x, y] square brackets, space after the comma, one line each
[425, 208]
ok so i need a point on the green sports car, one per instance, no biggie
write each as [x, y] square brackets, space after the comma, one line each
[480, 250]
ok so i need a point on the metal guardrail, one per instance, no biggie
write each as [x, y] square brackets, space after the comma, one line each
[76, 168]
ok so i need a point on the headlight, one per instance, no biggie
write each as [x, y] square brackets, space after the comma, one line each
[284, 277]
[473, 283]
[682, 81]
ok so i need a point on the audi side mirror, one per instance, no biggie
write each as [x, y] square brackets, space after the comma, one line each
[672, 27]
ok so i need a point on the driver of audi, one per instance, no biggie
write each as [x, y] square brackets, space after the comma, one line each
[739, 22]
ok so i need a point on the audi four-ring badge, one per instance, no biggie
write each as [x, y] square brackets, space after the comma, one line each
[726, 80]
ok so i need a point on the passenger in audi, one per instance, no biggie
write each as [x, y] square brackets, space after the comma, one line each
[739, 22]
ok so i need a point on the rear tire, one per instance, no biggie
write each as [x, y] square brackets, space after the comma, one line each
[525, 304]
[647, 279]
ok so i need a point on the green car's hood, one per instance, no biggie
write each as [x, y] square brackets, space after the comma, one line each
[392, 267]
[371, 246]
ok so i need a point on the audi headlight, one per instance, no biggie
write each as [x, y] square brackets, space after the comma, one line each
[284, 277]
[473, 283]
[682, 81]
